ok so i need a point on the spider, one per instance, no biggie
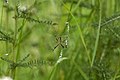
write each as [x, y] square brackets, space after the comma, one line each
[61, 42]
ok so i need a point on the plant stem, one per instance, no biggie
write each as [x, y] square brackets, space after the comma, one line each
[98, 35]
[80, 70]
[19, 38]
[15, 42]
[7, 23]
[80, 33]
[2, 13]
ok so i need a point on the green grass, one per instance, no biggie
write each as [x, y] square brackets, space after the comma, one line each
[60, 39]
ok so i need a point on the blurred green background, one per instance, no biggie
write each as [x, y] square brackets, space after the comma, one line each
[86, 32]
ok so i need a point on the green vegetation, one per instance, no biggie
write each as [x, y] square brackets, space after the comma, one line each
[60, 39]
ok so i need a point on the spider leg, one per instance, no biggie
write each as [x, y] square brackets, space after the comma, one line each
[57, 39]
[56, 46]
[62, 45]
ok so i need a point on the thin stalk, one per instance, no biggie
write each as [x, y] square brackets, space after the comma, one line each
[6, 28]
[55, 67]
[19, 38]
[80, 70]
[16, 27]
[7, 22]
[77, 6]
[14, 44]
[52, 73]
[1, 27]
[73, 59]
[80, 33]
[98, 35]
[2, 13]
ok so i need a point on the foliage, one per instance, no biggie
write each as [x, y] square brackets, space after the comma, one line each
[60, 39]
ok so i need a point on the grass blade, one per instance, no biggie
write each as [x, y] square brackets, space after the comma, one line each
[98, 35]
